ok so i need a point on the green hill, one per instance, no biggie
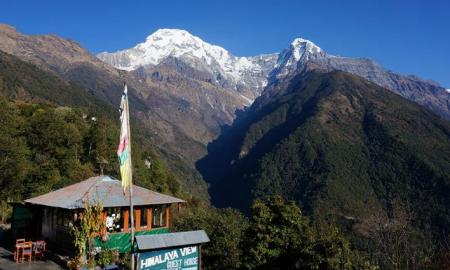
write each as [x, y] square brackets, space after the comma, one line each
[22, 81]
[54, 133]
[343, 148]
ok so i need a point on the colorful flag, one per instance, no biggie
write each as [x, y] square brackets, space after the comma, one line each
[124, 149]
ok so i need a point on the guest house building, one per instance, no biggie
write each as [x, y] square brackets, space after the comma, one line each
[50, 216]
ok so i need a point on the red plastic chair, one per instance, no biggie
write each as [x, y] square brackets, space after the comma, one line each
[27, 250]
[18, 249]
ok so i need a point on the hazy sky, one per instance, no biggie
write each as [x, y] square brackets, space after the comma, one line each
[407, 36]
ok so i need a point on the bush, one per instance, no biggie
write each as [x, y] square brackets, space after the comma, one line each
[107, 257]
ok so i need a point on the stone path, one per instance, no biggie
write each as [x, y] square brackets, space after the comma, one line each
[7, 263]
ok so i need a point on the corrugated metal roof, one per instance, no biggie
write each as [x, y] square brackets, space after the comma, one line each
[103, 189]
[165, 240]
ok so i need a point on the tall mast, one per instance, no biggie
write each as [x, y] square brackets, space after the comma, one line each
[131, 187]
[126, 166]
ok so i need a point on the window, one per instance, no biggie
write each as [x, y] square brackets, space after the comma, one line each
[143, 217]
[62, 217]
[159, 216]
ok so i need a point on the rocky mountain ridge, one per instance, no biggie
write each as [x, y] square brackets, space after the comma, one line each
[249, 76]
[243, 74]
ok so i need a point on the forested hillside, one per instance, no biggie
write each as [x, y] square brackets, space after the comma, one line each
[20, 80]
[45, 147]
[23, 81]
[54, 133]
[345, 150]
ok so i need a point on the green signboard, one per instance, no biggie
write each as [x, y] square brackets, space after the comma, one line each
[122, 241]
[184, 258]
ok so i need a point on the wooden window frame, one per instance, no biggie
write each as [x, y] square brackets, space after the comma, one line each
[143, 227]
[149, 225]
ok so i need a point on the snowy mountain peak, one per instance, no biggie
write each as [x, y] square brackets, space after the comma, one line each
[167, 32]
[177, 42]
[300, 46]
[162, 44]
[225, 69]
[299, 52]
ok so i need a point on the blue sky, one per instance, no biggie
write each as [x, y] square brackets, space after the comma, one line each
[407, 36]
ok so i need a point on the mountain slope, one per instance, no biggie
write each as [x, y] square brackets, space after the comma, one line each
[54, 133]
[340, 146]
[174, 110]
[155, 92]
[24, 81]
[98, 90]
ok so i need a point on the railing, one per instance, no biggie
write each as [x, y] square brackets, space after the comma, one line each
[121, 240]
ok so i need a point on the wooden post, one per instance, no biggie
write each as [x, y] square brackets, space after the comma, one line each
[132, 223]
[125, 220]
[200, 256]
[168, 216]
[103, 216]
[149, 218]
[138, 219]
[130, 188]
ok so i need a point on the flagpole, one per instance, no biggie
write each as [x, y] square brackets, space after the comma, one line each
[132, 226]
[130, 187]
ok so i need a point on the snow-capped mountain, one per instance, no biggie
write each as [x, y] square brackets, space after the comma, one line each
[303, 55]
[249, 76]
[299, 52]
[226, 70]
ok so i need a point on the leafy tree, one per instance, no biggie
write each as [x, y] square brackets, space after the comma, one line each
[153, 172]
[225, 228]
[14, 152]
[331, 250]
[102, 135]
[280, 237]
[89, 226]
[277, 233]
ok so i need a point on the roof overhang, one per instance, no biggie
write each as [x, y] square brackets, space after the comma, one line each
[104, 189]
